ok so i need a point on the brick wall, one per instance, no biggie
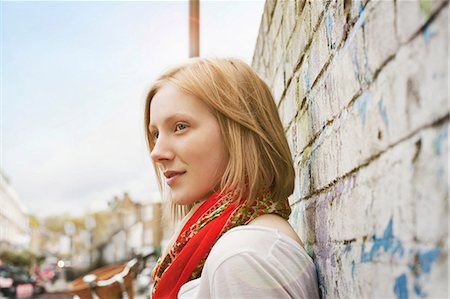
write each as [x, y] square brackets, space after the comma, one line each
[362, 88]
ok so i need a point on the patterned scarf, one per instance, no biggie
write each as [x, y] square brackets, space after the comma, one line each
[215, 216]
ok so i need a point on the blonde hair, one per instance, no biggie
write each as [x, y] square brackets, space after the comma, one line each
[260, 160]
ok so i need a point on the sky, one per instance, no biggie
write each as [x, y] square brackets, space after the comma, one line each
[74, 76]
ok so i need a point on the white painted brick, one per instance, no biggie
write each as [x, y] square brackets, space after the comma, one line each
[278, 85]
[291, 138]
[304, 128]
[360, 208]
[430, 186]
[289, 19]
[288, 106]
[302, 166]
[304, 84]
[298, 41]
[319, 53]
[269, 8]
[355, 10]
[277, 18]
[368, 120]
[317, 9]
[335, 23]
[299, 6]
[380, 39]
[412, 15]
[374, 131]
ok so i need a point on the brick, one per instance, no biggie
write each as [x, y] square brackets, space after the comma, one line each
[355, 10]
[298, 41]
[269, 7]
[368, 119]
[355, 48]
[319, 53]
[317, 9]
[380, 39]
[304, 129]
[304, 82]
[368, 137]
[335, 23]
[412, 15]
[289, 19]
[278, 85]
[374, 209]
[430, 185]
[288, 106]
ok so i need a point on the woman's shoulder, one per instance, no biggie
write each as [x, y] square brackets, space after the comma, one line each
[258, 261]
[254, 242]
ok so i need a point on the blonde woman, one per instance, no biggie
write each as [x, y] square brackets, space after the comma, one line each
[217, 141]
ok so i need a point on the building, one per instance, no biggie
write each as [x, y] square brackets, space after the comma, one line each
[14, 229]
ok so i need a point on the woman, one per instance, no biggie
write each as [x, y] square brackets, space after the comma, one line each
[215, 136]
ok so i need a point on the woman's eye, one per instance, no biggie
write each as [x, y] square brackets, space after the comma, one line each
[155, 135]
[180, 127]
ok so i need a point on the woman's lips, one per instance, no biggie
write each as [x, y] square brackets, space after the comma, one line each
[172, 180]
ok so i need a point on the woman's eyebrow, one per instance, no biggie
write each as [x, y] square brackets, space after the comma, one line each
[176, 115]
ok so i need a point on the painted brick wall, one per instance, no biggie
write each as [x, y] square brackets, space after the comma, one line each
[362, 88]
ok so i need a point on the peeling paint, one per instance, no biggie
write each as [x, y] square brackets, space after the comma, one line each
[427, 258]
[418, 290]
[367, 72]
[361, 106]
[355, 62]
[388, 242]
[360, 8]
[428, 33]
[348, 248]
[329, 29]
[305, 77]
[353, 269]
[422, 267]
[439, 140]
[383, 112]
[401, 287]
[359, 24]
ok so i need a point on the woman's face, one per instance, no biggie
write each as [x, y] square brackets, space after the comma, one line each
[189, 147]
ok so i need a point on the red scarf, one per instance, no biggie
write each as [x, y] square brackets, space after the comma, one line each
[215, 216]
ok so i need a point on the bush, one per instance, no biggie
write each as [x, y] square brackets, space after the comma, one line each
[20, 259]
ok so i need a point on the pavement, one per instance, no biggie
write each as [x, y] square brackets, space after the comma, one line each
[59, 288]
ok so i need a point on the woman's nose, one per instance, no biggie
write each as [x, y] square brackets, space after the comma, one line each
[161, 151]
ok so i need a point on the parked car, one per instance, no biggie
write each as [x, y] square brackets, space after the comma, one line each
[6, 280]
[22, 285]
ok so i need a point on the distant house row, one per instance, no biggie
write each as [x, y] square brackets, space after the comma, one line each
[14, 228]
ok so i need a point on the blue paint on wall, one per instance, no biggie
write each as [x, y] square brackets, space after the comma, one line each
[359, 23]
[306, 81]
[360, 8]
[347, 248]
[383, 112]
[353, 269]
[355, 61]
[401, 287]
[361, 106]
[329, 29]
[367, 73]
[427, 258]
[388, 243]
[421, 267]
[418, 290]
[439, 140]
[428, 33]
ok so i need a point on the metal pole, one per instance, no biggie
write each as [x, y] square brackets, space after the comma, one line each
[194, 25]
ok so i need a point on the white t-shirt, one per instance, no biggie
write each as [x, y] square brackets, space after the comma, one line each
[255, 262]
